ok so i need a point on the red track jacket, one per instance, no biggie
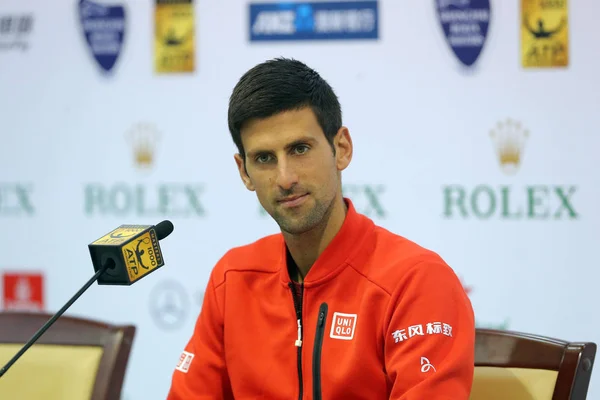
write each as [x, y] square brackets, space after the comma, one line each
[379, 317]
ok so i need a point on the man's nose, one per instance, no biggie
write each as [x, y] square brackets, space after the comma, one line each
[286, 175]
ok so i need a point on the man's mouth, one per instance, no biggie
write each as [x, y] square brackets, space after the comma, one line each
[292, 201]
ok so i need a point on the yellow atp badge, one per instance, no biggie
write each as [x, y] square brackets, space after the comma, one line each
[142, 256]
[174, 41]
[544, 33]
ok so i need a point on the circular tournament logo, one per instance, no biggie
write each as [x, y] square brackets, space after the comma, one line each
[169, 304]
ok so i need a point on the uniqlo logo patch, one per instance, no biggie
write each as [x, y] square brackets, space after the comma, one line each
[342, 326]
[184, 362]
[23, 291]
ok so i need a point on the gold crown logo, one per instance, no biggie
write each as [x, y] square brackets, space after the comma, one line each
[143, 137]
[509, 139]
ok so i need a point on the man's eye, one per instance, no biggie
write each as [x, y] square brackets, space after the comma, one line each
[263, 158]
[301, 149]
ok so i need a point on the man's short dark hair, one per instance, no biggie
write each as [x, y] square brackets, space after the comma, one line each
[280, 85]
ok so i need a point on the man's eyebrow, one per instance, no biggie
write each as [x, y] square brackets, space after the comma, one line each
[302, 140]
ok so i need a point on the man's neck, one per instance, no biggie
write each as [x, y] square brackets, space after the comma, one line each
[306, 247]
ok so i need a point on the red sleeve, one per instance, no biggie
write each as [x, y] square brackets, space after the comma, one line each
[201, 372]
[430, 339]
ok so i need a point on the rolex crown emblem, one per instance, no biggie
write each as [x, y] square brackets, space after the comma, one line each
[509, 140]
[143, 138]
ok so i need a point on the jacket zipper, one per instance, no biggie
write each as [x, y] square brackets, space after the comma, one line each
[298, 343]
[317, 351]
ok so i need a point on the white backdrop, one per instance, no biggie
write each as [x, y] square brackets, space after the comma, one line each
[420, 123]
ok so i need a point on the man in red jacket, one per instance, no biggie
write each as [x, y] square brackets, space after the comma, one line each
[334, 306]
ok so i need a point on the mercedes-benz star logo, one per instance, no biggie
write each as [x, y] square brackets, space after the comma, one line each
[169, 304]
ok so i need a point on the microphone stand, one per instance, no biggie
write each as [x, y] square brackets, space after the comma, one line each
[109, 264]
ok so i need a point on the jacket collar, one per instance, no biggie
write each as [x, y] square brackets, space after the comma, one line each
[347, 244]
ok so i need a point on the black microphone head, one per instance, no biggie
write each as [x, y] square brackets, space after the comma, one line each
[129, 252]
[163, 229]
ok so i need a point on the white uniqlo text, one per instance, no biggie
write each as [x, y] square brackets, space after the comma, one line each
[431, 328]
[184, 362]
[342, 326]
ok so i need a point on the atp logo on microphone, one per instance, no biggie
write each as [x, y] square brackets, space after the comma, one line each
[142, 255]
[128, 253]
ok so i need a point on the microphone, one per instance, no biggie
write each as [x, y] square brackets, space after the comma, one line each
[129, 253]
[120, 257]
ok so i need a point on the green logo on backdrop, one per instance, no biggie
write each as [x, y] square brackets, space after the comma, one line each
[16, 199]
[176, 200]
[510, 202]
[162, 199]
[536, 202]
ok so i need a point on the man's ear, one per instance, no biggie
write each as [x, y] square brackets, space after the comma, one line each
[343, 148]
[242, 170]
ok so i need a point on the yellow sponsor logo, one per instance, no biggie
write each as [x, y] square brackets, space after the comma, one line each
[509, 137]
[174, 41]
[142, 255]
[121, 234]
[544, 33]
[143, 138]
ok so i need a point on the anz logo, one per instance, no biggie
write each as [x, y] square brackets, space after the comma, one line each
[284, 22]
[313, 21]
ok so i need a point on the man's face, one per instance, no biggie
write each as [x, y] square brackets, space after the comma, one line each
[292, 167]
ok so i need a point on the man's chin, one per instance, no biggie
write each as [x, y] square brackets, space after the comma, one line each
[292, 226]
[295, 230]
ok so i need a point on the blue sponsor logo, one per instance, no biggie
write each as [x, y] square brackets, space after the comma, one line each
[338, 20]
[104, 29]
[465, 24]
